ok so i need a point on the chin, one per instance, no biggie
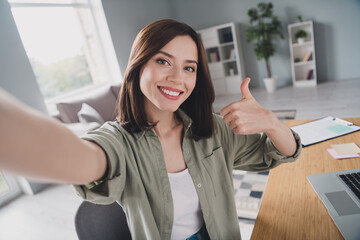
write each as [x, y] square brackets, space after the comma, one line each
[168, 108]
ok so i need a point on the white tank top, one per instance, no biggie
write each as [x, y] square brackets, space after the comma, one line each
[188, 217]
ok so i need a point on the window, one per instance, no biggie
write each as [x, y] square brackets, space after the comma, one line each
[4, 186]
[9, 188]
[65, 48]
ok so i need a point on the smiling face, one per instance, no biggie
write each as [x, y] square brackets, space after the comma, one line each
[169, 77]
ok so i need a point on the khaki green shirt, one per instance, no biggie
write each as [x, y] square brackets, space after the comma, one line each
[137, 177]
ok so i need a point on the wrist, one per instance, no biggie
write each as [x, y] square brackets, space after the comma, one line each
[274, 124]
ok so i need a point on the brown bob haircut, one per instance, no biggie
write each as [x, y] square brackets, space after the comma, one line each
[198, 106]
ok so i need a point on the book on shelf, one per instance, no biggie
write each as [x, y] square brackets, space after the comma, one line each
[227, 37]
[214, 57]
[232, 55]
[307, 57]
[310, 74]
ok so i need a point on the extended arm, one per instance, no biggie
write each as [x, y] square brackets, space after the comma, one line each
[248, 117]
[38, 146]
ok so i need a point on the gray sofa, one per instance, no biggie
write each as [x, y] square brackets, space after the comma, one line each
[90, 110]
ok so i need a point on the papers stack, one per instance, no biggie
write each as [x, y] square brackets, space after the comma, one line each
[342, 151]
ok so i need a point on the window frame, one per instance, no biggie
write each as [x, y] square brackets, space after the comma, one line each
[103, 38]
[14, 189]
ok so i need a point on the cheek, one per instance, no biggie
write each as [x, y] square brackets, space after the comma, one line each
[191, 84]
[145, 78]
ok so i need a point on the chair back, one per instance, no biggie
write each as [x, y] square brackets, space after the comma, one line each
[100, 222]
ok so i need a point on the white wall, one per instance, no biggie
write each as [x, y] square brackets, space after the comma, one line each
[16, 75]
[336, 26]
[127, 17]
[336, 23]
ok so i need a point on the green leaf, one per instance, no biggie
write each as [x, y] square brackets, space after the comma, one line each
[264, 27]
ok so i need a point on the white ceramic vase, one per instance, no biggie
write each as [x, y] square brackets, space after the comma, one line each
[301, 40]
[270, 84]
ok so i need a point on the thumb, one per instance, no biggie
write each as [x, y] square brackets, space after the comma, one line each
[245, 92]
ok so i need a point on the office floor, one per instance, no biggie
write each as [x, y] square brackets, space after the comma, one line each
[50, 214]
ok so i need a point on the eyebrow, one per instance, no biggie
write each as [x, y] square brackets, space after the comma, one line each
[171, 56]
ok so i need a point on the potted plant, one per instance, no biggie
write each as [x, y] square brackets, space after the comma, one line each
[300, 36]
[264, 28]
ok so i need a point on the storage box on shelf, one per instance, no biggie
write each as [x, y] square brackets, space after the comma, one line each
[303, 61]
[223, 49]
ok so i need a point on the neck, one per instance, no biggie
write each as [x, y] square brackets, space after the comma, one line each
[167, 122]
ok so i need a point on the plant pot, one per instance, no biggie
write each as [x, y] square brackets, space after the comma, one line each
[301, 40]
[270, 84]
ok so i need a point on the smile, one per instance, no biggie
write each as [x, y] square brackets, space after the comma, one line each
[170, 93]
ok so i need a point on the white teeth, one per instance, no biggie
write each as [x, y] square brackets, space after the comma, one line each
[171, 93]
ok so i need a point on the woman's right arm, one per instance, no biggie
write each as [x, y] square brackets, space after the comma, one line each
[37, 146]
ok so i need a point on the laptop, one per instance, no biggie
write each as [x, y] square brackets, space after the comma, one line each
[340, 193]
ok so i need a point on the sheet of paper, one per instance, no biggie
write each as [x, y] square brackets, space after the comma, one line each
[337, 156]
[323, 129]
[346, 148]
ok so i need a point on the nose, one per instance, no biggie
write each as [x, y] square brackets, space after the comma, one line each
[175, 74]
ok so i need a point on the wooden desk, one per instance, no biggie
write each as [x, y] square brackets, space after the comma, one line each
[290, 208]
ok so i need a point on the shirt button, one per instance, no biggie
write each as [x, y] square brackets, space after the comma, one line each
[199, 185]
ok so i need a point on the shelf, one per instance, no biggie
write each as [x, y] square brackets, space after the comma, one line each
[223, 49]
[302, 70]
[297, 64]
[305, 83]
[229, 60]
[213, 54]
[226, 44]
[214, 63]
[307, 43]
[225, 35]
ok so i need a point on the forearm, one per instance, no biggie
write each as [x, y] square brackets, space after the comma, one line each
[282, 138]
[35, 145]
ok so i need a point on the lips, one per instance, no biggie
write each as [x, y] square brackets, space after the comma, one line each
[170, 93]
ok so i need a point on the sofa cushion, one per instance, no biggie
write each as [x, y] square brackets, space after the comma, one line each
[88, 114]
[116, 89]
[102, 100]
[80, 129]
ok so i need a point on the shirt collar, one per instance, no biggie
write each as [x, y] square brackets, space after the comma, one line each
[187, 121]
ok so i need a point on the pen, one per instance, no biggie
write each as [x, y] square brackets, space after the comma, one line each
[349, 124]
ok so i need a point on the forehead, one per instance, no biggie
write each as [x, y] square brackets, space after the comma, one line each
[182, 47]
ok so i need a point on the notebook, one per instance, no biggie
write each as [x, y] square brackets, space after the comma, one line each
[340, 193]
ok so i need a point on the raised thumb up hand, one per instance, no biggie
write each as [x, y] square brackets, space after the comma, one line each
[247, 116]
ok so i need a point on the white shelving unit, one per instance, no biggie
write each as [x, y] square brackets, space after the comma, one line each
[223, 49]
[303, 69]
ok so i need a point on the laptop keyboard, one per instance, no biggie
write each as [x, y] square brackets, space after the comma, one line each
[352, 180]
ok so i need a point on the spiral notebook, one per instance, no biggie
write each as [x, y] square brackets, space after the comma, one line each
[323, 129]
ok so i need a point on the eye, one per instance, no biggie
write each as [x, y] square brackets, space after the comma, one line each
[162, 61]
[190, 69]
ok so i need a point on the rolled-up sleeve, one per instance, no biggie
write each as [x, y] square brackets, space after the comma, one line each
[253, 152]
[108, 189]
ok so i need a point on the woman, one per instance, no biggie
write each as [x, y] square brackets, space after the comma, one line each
[168, 159]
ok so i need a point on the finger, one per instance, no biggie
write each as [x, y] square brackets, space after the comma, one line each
[240, 130]
[230, 117]
[228, 109]
[225, 110]
[245, 91]
[234, 123]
